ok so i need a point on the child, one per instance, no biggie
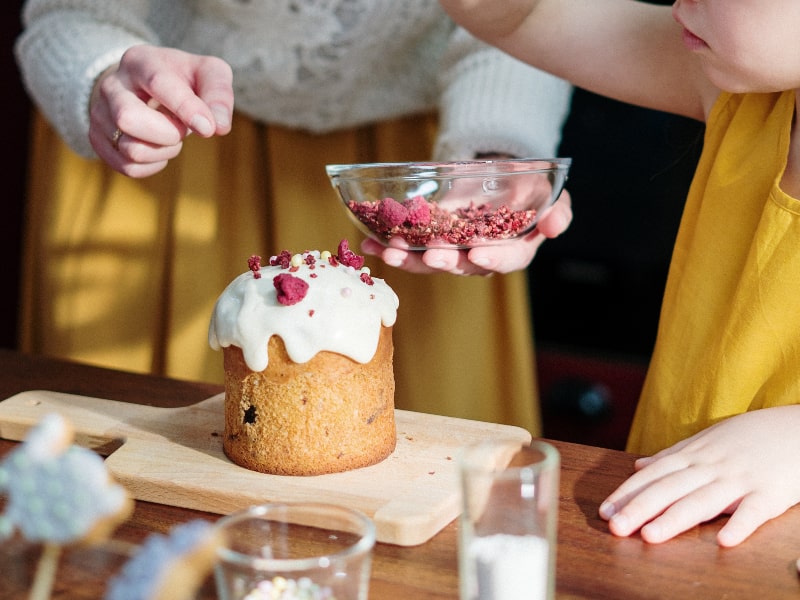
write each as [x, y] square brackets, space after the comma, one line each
[720, 405]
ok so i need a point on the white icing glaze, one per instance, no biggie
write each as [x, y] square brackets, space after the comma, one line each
[340, 313]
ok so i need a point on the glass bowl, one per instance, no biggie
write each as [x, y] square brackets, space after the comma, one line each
[449, 204]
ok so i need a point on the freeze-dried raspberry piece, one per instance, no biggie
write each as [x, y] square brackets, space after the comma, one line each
[391, 213]
[283, 260]
[291, 289]
[254, 264]
[419, 212]
[347, 257]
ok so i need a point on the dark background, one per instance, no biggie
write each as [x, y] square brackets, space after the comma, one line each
[596, 290]
[16, 113]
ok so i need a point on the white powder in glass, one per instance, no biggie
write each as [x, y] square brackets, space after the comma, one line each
[510, 567]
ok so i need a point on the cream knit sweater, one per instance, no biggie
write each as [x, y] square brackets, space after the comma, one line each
[317, 65]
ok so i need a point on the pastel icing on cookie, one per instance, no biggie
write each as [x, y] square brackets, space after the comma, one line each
[168, 567]
[58, 493]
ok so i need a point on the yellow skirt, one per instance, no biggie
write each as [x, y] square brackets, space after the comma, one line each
[124, 272]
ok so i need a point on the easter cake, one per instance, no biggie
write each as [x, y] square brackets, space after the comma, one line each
[307, 350]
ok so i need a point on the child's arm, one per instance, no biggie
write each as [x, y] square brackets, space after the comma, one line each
[628, 50]
[745, 466]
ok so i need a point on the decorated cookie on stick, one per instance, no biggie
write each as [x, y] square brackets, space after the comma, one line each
[168, 567]
[58, 494]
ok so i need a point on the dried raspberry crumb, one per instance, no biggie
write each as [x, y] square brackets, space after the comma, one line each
[347, 257]
[310, 260]
[429, 223]
[313, 275]
[311, 313]
[366, 279]
[283, 260]
[254, 264]
[291, 289]
[332, 261]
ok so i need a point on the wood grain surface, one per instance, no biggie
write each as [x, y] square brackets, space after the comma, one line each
[174, 456]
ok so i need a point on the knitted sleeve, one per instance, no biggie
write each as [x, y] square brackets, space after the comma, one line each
[493, 103]
[66, 44]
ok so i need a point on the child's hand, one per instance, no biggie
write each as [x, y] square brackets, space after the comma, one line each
[745, 466]
[482, 260]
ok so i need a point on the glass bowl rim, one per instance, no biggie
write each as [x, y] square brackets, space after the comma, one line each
[447, 169]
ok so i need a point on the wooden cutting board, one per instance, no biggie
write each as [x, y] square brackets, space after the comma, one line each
[174, 456]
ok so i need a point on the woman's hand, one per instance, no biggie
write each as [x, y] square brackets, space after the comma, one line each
[745, 466]
[141, 110]
[482, 260]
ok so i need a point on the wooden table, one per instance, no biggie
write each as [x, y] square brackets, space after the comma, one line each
[592, 563]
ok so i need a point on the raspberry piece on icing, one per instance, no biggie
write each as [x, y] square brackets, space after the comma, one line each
[254, 264]
[282, 260]
[347, 257]
[391, 213]
[291, 289]
[419, 212]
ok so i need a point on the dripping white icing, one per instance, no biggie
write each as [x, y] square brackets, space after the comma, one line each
[340, 313]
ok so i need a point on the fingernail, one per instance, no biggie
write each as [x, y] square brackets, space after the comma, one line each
[201, 125]
[438, 264]
[607, 510]
[653, 533]
[221, 115]
[393, 262]
[481, 261]
[620, 523]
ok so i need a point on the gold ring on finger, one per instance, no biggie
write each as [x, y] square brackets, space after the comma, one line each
[115, 138]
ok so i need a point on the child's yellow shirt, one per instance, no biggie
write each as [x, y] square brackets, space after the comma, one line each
[729, 334]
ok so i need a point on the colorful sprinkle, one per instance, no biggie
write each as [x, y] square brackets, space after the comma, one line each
[281, 588]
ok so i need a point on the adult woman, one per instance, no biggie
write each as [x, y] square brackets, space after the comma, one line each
[123, 271]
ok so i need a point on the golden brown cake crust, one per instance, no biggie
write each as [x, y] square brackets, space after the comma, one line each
[327, 415]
